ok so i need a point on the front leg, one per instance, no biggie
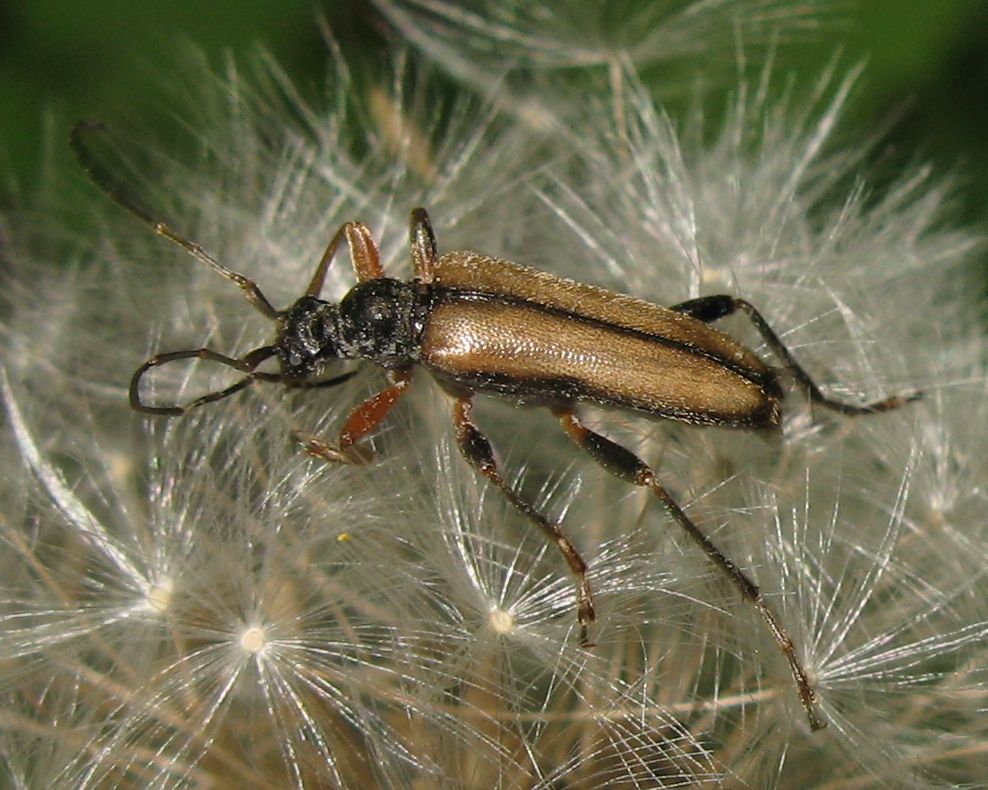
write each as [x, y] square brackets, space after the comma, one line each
[364, 255]
[362, 420]
[423, 244]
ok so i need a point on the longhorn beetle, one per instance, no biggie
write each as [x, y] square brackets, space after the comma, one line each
[484, 325]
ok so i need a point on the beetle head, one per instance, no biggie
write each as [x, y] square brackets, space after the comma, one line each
[308, 338]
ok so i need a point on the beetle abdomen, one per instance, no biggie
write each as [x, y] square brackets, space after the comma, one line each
[544, 355]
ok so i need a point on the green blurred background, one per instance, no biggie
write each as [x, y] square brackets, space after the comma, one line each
[926, 83]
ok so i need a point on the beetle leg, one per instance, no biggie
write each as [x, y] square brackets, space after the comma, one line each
[706, 308]
[628, 466]
[371, 413]
[710, 308]
[362, 420]
[324, 451]
[479, 453]
[364, 255]
[423, 243]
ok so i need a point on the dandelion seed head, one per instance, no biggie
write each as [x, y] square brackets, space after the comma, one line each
[501, 622]
[253, 639]
[216, 603]
[159, 595]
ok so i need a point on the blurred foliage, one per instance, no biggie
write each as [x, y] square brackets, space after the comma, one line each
[925, 87]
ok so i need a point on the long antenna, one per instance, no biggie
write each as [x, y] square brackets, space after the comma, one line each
[125, 198]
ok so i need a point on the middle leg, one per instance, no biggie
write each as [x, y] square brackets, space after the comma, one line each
[479, 453]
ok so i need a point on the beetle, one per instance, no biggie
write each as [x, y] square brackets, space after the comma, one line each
[483, 325]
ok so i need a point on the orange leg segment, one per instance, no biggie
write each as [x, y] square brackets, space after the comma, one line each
[362, 421]
[364, 255]
[371, 413]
